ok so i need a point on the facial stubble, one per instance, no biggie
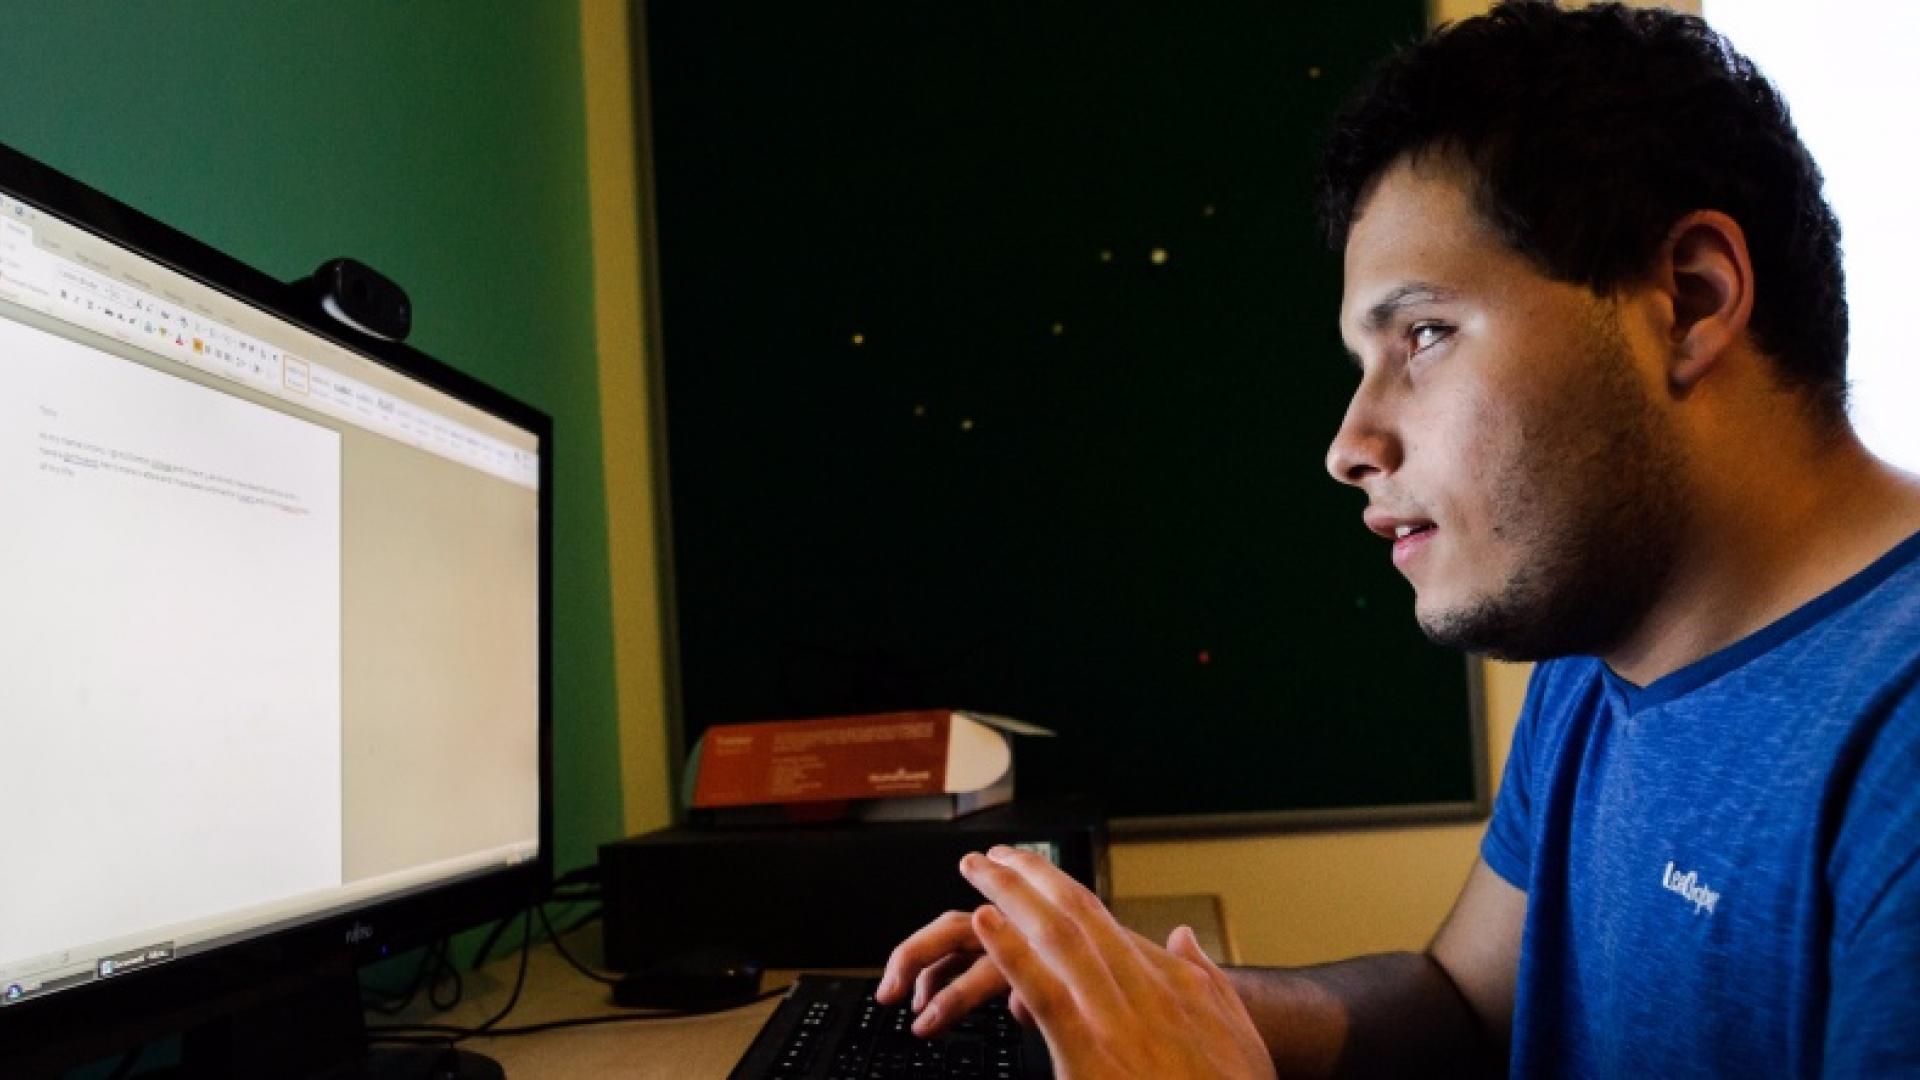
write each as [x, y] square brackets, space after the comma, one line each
[1589, 499]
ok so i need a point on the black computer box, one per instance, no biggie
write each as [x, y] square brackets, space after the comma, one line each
[839, 895]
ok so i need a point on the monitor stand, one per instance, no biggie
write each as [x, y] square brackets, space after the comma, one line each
[421, 1063]
[232, 1023]
[311, 1025]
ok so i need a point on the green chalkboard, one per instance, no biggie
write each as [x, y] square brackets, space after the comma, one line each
[1000, 361]
[446, 149]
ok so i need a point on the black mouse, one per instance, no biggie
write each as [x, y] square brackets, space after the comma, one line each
[695, 980]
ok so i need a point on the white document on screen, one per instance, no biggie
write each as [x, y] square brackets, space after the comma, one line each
[170, 635]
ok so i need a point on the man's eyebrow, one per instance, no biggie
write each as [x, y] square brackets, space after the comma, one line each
[1402, 296]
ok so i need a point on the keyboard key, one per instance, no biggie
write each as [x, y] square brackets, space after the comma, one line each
[854, 1037]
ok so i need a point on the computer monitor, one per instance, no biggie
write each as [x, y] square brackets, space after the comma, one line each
[274, 631]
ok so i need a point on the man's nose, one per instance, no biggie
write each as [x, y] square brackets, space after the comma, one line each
[1365, 447]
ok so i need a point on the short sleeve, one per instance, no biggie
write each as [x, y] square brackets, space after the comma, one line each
[1875, 955]
[1876, 989]
[1508, 845]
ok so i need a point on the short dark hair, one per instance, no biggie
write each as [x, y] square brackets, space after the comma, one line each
[1588, 134]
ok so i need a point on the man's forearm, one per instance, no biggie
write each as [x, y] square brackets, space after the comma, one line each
[1396, 1014]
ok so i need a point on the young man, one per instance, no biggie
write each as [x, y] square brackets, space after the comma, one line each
[1594, 295]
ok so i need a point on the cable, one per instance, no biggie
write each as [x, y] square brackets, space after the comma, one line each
[485, 951]
[589, 874]
[432, 959]
[592, 914]
[125, 1068]
[519, 982]
[560, 948]
[587, 877]
[437, 963]
[444, 966]
[450, 1036]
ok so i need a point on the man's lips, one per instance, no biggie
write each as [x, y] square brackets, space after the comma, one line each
[1407, 547]
[1394, 526]
[1409, 534]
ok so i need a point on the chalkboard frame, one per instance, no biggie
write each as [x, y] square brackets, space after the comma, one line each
[1478, 808]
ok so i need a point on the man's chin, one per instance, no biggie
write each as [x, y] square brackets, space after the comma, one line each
[1506, 631]
[1444, 628]
[1443, 620]
[1482, 627]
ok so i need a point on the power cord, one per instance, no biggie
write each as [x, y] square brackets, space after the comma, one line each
[449, 1035]
[561, 948]
[444, 971]
[125, 1067]
[485, 953]
[519, 983]
[436, 966]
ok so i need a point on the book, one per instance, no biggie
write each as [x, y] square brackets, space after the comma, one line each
[923, 765]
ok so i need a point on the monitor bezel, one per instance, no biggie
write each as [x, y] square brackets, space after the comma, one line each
[133, 1008]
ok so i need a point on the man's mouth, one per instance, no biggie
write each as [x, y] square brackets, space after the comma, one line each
[1390, 526]
[1409, 534]
[1409, 541]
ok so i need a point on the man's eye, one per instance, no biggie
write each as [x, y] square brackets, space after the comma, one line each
[1424, 336]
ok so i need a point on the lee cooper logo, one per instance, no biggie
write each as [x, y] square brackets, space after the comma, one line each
[1689, 886]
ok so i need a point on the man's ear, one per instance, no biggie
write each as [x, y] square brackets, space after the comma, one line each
[1708, 275]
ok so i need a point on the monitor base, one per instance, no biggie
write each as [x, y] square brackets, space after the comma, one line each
[422, 1063]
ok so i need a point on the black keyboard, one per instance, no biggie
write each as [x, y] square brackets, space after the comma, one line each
[831, 1028]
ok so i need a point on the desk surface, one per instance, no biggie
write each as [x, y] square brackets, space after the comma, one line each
[681, 1048]
[692, 1047]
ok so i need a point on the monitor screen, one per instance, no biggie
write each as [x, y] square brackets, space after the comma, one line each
[272, 619]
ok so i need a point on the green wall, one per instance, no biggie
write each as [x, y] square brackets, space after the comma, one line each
[441, 142]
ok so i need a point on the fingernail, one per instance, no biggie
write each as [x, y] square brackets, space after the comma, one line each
[926, 1020]
[969, 863]
[999, 852]
[991, 918]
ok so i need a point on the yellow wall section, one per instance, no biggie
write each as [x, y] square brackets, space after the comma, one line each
[1309, 897]
[1439, 11]
[620, 299]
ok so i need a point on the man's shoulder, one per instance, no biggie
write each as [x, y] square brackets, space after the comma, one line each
[1876, 836]
[1564, 683]
[1564, 674]
[1878, 610]
[1868, 651]
[1565, 695]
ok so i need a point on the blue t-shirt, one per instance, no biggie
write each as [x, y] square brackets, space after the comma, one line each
[1723, 868]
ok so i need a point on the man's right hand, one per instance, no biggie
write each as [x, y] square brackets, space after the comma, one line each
[948, 972]
[1109, 1002]
[1391, 1014]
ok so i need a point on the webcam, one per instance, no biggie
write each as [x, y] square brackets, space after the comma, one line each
[360, 297]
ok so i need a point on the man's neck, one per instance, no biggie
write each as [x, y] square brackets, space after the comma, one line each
[1765, 542]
